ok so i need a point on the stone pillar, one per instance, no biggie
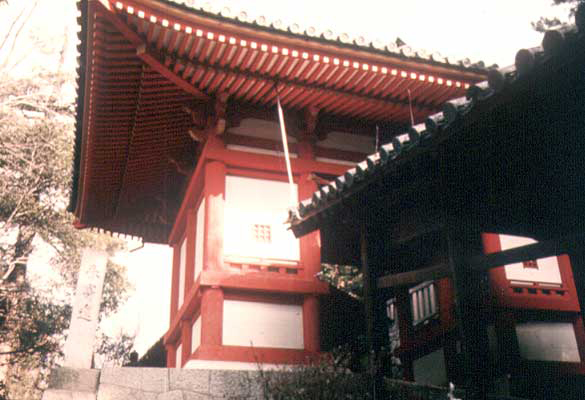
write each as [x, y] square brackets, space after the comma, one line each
[84, 319]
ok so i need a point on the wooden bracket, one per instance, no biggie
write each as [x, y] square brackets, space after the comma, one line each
[218, 121]
[209, 119]
[309, 123]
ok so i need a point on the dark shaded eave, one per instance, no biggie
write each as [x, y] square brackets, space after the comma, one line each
[538, 72]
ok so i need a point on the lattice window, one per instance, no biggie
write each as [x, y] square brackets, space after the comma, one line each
[261, 233]
[423, 300]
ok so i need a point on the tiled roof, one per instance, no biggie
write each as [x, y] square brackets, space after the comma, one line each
[557, 45]
[391, 47]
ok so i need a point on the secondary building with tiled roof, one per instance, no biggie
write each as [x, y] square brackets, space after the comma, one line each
[469, 230]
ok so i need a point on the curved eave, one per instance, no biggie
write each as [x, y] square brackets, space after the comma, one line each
[261, 29]
[253, 66]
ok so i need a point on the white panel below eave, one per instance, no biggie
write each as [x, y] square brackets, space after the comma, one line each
[548, 268]
[258, 324]
[548, 341]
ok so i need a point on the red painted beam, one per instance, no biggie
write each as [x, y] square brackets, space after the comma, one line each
[262, 282]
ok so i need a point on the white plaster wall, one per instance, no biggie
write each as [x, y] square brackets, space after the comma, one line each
[548, 268]
[182, 267]
[430, 369]
[199, 238]
[349, 142]
[252, 201]
[548, 341]
[259, 324]
[196, 335]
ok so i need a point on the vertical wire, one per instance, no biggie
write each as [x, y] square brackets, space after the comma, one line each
[293, 198]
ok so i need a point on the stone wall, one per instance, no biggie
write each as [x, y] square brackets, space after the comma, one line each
[152, 384]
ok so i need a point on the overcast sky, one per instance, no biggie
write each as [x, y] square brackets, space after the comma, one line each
[488, 30]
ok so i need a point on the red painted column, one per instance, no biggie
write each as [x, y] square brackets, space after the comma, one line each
[171, 358]
[175, 282]
[214, 192]
[311, 322]
[190, 253]
[310, 256]
[212, 298]
[185, 340]
[310, 244]
[211, 316]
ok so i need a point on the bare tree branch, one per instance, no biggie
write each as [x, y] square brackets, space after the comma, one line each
[17, 34]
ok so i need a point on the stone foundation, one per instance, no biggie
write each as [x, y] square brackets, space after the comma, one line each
[152, 384]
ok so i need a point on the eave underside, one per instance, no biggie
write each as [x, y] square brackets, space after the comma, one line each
[135, 135]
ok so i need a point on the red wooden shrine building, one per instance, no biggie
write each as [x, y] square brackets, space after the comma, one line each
[431, 220]
[178, 143]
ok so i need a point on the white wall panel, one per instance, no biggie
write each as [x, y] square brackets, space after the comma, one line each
[251, 202]
[547, 341]
[259, 324]
[199, 239]
[548, 268]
